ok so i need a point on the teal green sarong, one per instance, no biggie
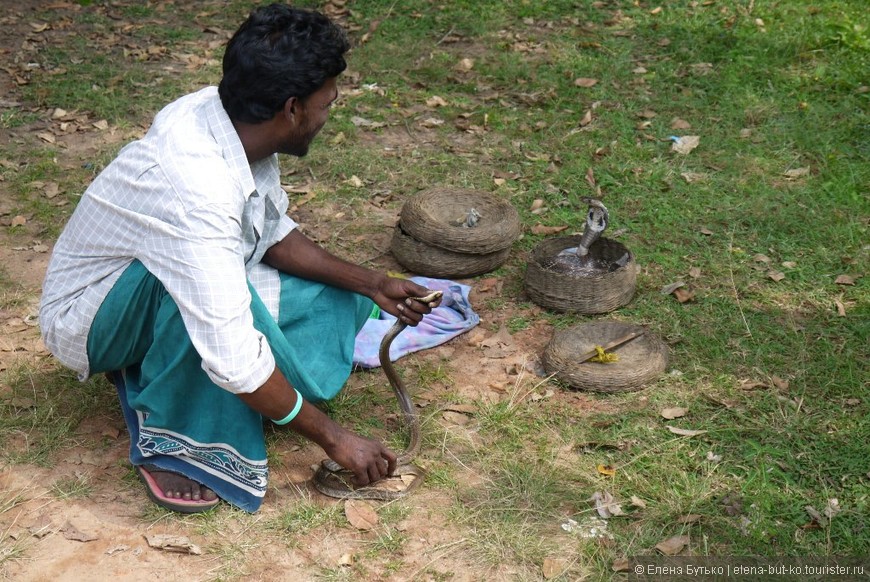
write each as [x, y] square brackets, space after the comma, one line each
[182, 422]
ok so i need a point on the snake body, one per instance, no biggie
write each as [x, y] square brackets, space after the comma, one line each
[334, 480]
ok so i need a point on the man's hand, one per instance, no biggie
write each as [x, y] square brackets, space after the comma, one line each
[396, 296]
[367, 459]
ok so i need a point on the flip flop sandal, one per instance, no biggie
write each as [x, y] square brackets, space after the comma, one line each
[180, 505]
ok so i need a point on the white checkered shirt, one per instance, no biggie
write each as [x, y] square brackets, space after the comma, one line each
[186, 203]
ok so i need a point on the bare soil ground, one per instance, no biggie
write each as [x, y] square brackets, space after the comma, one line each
[103, 535]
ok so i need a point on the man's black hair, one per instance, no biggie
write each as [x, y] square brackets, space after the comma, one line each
[277, 53]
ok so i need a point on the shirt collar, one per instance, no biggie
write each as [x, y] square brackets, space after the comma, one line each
[228, 139]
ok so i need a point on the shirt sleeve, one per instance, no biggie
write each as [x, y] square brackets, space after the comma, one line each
[200, 263]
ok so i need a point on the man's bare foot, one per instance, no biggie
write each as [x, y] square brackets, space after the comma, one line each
[180, 487]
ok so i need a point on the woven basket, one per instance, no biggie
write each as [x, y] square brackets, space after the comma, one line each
[598, 292]
[430, 261]
[434, 217]
[640, 362]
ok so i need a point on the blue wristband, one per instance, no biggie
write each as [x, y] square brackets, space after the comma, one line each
[296, 408]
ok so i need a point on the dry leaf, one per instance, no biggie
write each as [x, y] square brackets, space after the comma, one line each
[465, 65]
[689, 518]
[101, 124]
[606, 470]
[789, 264]
[779, 382]
[684, 145]
[585, 82]
[796, 173]
[553, 567]
[701, 69]
[363, 122]
[814, 513]
[841, 309]
[706, 231]
[685, 432]
[586, 119]
[41, 527]
[759, 258]
[546, 230]
[776, 275]
[360, 514]
[684, 295]
[692, 177]
[18, 221]
[672, 546]
[605, 505]
[672, 413]
[456, 418]
[51, 190]
[638, 502]
[620, 565]
[752, 385]
[46, 137]
[171, 543]
[677, 123]
[656, 10]
[71, 532]
[537, 204]
[844, 280]
[694, 272]
[432, 122]
[436, 101]
[832, 508]
[668, 289]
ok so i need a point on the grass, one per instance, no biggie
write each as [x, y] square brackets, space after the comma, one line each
[768, 87]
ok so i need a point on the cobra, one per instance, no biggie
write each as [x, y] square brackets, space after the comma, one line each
[334, 480]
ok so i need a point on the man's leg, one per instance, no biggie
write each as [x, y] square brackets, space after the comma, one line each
[186, 429]
[318, 325]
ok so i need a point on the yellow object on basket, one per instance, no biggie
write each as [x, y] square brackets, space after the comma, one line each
[602, 357]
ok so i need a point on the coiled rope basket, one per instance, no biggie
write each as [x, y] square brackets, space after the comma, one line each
[640, 362]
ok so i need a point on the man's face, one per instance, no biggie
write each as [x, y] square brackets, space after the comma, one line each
[310, 116]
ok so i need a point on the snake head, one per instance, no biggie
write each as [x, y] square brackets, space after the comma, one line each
[597, 217]
[433, 296]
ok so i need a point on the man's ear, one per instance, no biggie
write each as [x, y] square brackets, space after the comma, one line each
[291, 109]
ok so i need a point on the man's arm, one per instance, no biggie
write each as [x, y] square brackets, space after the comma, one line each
[296, 255]
[368, 459]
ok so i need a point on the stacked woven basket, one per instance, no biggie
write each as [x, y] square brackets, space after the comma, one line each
[450, 232]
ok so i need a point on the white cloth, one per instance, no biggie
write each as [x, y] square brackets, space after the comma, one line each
[184, 201]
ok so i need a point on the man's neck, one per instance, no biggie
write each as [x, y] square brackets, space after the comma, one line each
[256, 140]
